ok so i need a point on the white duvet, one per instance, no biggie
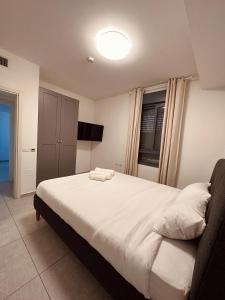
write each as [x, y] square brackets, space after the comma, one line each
[116, 217]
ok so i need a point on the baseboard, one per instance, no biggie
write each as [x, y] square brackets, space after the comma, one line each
[28, 194]
[82, 172]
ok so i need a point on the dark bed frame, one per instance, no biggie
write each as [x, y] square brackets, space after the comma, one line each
[208, 281]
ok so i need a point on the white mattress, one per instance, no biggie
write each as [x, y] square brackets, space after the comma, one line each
[116, 217]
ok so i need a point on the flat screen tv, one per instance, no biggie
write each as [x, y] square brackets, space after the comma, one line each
[90, 132]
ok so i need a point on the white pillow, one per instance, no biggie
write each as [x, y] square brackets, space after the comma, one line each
[185, 219]
[196, 195]
[180, 222]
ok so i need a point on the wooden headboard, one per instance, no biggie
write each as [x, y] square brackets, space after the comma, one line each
[208, 281]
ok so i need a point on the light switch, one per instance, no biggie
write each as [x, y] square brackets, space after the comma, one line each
[28, 150]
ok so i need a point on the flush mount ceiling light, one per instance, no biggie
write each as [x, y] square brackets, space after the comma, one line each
[113, 44]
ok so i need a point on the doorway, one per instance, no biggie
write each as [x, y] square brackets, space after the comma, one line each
[9, 142]
[5, 115]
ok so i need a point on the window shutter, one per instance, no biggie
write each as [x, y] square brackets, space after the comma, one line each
[158, 130]
[147, 127]
[151, 128]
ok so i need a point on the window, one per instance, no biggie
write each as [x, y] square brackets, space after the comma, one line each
[151, 128]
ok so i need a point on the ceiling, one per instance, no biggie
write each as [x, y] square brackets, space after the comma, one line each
[59, 35]
[207, 28]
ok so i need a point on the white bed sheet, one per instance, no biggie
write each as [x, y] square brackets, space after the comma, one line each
[116, 217]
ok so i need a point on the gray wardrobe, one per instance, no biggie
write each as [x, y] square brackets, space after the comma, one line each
[57, 135]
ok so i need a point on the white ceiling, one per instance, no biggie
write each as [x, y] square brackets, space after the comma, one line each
[59, 35]
[207, 27]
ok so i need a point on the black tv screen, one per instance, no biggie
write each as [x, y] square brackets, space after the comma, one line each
[90, 132]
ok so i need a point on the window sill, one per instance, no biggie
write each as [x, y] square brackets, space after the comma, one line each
[153, 165]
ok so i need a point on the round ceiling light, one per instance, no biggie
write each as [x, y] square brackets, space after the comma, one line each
[113, 44]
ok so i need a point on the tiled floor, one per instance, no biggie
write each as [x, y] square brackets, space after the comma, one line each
[35, 264]
[4, 171]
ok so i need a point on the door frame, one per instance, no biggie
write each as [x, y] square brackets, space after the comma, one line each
[17, 141]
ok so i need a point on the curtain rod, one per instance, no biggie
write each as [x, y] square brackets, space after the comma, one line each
[191, 77]
[164, 83]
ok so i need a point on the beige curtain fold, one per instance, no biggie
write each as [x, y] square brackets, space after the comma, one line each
[171, 132]
[131, 163]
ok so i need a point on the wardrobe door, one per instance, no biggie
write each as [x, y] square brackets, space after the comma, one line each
[48, 135]
[68, 136]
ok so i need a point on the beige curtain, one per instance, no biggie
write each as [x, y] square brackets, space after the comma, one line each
[131, 164]
[171, 132]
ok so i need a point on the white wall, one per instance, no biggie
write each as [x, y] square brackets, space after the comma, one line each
[203, 135]
[86, 114]
[113, 113]
[23, 76]
[203, 141]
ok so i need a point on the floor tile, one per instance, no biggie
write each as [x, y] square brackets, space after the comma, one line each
[6, 188]
[24, 214]
[45, 247]
[16, 267]
[68, 279]
[19, 206]
[4, 211]
[8, 231]
[33, 290]
[4, 170]
[64, 276]
[27, 223]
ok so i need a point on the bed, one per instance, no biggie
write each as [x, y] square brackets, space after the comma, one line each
[117, 252]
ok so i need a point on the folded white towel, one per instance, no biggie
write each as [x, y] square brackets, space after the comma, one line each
[97, 176]
[106, 174]
[111, 172]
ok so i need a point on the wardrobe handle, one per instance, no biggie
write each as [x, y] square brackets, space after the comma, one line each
[59, 141]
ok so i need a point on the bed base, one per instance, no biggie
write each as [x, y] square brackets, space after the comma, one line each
[38, 216]
[110, 279]
[209, 271]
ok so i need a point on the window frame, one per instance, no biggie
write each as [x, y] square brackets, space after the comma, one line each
[152, 104]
